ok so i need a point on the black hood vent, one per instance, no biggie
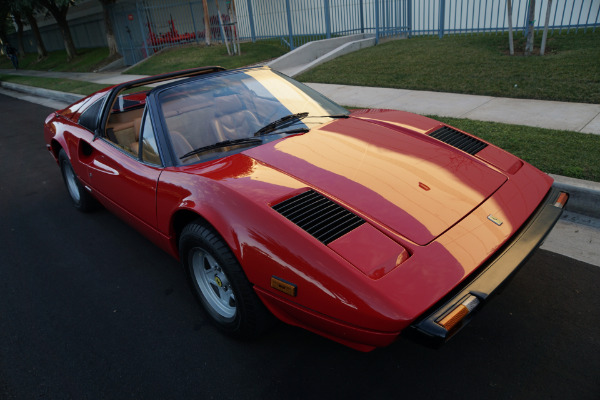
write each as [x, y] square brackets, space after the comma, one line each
[322, 218]
[459, 140]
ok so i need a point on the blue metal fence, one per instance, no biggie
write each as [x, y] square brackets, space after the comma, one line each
[146, 26]
[301, 21]
[469, 16]
[315, 19]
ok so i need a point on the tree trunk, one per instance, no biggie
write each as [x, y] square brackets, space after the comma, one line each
[511, 44]
[3, 39]
[4, 12]
[67, 38]
[60, 15]
[530, 28]
[41, 49]
[543, 48]
[108, 27]
[20, 44]
[207, 30]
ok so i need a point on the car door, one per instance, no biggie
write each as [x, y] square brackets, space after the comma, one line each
[126, 181]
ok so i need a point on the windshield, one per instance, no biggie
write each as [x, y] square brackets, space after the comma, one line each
[236, 105]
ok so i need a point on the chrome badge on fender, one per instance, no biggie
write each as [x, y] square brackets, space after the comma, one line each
[495, 220]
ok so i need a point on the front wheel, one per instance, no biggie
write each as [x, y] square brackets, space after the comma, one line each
[220, 284]
[81, 199]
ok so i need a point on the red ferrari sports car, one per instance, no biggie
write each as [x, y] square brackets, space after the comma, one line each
[358, 226]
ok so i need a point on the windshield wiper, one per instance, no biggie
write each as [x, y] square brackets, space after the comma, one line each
[280, 123]
[297, 130]
[218, 145]
[330, 116]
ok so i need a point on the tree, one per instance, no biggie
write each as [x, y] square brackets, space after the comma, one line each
[39, 42]
[20, 45]
[510, 28]
[28, 9]
[530, 28]
[108, 27]
[543, 48]
[59, 9]
[4, 22]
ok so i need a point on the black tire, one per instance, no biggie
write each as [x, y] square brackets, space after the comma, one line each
[82, 200]
[220, 285]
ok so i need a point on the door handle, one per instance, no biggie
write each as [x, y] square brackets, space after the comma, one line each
[85, 148]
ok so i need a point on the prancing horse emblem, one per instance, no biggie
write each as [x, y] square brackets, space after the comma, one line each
[494, 220]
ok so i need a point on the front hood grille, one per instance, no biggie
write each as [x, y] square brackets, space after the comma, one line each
[322, 218]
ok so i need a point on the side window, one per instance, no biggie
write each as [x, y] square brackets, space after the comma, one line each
[89, 118]
[123, 123]
[149, 153]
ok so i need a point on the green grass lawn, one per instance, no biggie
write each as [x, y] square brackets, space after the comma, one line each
[558, 152]
[192, 56]
[475, 64]
[87, 61]
[172, 59]
[62, 85]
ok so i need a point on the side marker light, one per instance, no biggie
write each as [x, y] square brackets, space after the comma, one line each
[562, 200]
[283, 286]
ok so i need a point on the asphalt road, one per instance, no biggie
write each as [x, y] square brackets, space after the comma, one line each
[89, 309]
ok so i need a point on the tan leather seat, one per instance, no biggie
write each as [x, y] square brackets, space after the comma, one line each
[232, 120]
[135, 146]
[181, 146]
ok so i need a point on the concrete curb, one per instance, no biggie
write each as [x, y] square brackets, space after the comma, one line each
[584, 195]
[51, 94]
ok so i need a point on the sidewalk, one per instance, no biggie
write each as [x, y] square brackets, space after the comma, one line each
[578, 117]
[103, 78]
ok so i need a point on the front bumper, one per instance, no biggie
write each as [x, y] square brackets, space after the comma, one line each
[456, 310]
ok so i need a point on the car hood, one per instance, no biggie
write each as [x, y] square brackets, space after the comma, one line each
[389, 173]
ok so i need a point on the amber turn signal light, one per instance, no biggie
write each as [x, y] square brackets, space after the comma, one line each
[454, 317]
[562, 200]
[283, 286]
